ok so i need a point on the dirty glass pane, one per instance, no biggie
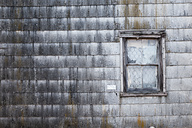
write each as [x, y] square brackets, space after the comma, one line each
[134, 76]
[149, 76]
[142, 76]
[149, 51]
[134, 51]
[142, 51]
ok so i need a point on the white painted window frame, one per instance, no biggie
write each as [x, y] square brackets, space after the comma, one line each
[142, 34]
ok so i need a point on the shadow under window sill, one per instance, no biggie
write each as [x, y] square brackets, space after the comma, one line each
[160, 94]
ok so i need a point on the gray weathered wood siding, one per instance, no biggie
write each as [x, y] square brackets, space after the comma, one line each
[58, 56]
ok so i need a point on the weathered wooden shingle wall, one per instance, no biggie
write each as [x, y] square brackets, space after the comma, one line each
[58, 56]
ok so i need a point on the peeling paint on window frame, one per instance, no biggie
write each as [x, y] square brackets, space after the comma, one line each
[160, 35]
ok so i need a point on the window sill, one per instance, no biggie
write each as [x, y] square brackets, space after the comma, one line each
[143, 95]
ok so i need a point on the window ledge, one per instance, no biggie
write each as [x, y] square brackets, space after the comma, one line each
[143, 95]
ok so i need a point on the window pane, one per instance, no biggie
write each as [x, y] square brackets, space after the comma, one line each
[134, 76]
[149, 76]
[149, 51]
[142, 51]
[134, 51]
[142, 76]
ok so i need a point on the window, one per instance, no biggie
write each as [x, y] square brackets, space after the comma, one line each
[143, 63]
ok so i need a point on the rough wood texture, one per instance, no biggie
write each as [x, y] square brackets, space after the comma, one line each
[58, 56]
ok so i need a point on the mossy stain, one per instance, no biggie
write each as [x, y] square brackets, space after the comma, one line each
[105, 123]
[140, 123]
